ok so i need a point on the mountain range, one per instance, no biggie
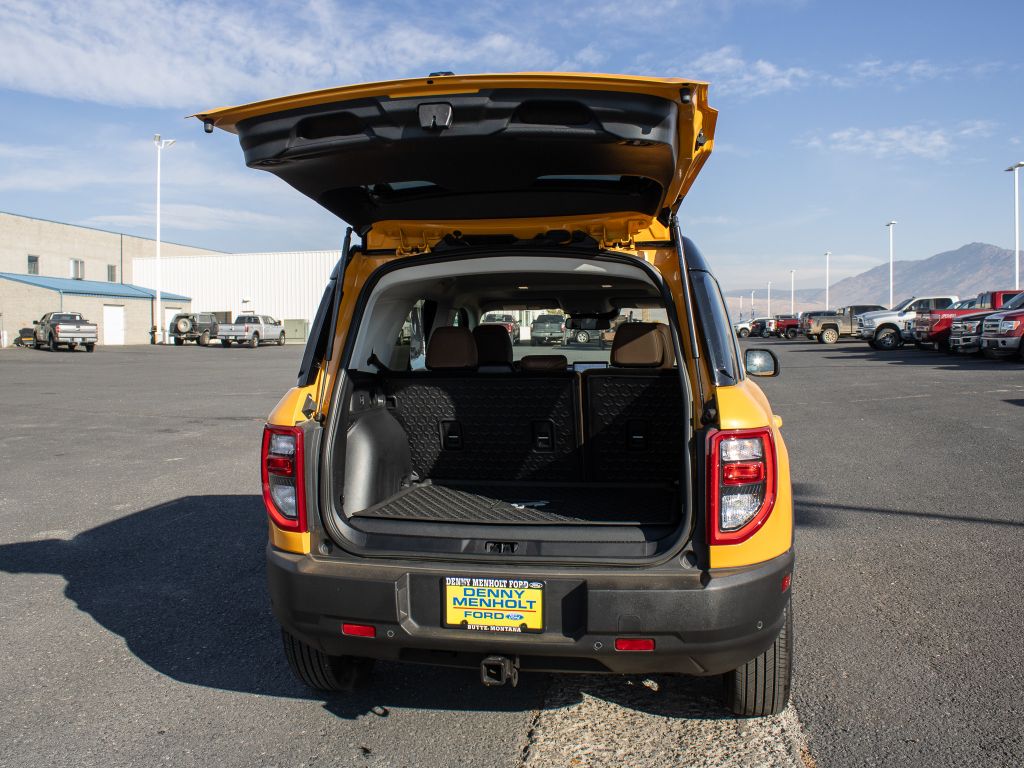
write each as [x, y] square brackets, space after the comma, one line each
[964, 272]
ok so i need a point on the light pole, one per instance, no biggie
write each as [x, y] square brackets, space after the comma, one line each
[769, 312]
[827, 255]
[792, 292]
[741, 308]
[161, 145]
[751, 305]
[890, 225]
[1016, 223]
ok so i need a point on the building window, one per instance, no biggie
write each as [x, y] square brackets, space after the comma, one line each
[77, 269]
[111, 273]
[33, 265]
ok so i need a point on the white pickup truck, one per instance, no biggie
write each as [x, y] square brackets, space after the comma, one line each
[64, 329]
[891, 328]
[252, 330]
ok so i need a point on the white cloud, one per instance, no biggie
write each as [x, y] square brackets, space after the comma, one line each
[188, 217]
[735, 75]
[915, 140]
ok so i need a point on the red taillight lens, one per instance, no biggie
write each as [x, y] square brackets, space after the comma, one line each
[283, 479]
[359, 630]
[741, 483]
[634, 644]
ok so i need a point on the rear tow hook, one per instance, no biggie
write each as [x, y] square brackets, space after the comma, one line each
[498, 670]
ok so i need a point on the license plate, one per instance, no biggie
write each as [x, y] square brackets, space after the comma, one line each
[493, 605]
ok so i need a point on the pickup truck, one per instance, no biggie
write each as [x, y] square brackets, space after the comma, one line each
[252, 330]
[64, 329]
[889, 329]
[934, 328]
[762, 326]
[787, 326]
[509, 321]
[547, 329]
[828, 327]
[1002, 331]
[965, 331]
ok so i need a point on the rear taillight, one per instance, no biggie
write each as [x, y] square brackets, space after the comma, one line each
[283, 488]
[741, 483]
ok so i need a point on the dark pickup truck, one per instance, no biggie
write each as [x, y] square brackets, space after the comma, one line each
[828, 327]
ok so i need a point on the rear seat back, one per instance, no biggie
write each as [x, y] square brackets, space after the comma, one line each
[633, 411]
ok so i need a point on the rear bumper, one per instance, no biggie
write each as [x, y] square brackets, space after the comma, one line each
[699, 629]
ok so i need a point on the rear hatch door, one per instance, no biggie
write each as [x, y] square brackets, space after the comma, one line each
[485, 147]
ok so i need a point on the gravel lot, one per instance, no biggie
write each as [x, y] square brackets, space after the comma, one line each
[134, 627]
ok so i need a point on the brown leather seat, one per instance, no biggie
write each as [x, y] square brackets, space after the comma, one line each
[451, 349]
[543, 363]
[493, 349]
[643, 345]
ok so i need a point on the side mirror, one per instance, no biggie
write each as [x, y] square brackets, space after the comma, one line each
[761, 362]
[35, 322]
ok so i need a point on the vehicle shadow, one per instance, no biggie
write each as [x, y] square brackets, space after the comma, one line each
[184, 584]
[921, 357]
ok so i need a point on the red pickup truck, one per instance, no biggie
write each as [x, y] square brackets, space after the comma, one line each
[931, 329]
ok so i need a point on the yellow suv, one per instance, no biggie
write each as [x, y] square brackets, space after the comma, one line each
[434, 494]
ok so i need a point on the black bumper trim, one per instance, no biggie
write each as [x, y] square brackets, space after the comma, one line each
[702, 624]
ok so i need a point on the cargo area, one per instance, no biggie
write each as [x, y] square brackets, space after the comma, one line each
[451, 431]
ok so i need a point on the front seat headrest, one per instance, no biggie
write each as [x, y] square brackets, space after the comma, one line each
[451, 348]
[493, 345]
[543, 363]
[642, 345]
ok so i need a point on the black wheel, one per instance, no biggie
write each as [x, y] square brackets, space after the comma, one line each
[204, 339]
[321, 672]
[280, 339]
[829, 336]
[178, 341]
[791, 334]
[761, 686]
[582, 337]
[887, 339]
[90, 347]
[765, 333]
[53, 344]
[254, 341]
[743, 333]
[225, 342]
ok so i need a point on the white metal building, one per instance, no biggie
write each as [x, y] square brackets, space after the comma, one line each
[285, 285]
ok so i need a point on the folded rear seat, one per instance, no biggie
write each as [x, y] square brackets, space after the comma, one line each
[634, 419]
[468, 426]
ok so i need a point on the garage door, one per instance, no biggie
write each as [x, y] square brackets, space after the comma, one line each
[113, 324]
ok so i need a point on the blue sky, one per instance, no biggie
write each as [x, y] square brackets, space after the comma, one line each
[834, 116]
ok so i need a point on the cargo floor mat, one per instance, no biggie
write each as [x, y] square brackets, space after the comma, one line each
[527, 504]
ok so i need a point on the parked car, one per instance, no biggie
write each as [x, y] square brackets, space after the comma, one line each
[829, 327]
[966, 331]
[199, 327]
[891, 328]
[547, 329]
[509, 321]
[762, 326]
[252, 330]
[1002, 331]
[741, 328]
[934, 327]
[64, 329]
[410, 512]
[787, 326]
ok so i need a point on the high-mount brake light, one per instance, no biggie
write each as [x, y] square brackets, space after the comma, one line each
[281, 468]
[741, 483]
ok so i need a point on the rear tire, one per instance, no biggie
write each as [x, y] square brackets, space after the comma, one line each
[761, 686]
[321, 672]
[582, 337]
[53, 344]
[254, 341]
[829, 336]
[204, 339]
[791, 334]
[743, 333]
[90, 347]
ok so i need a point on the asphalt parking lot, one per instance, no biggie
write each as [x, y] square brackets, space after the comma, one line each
[135, 630]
